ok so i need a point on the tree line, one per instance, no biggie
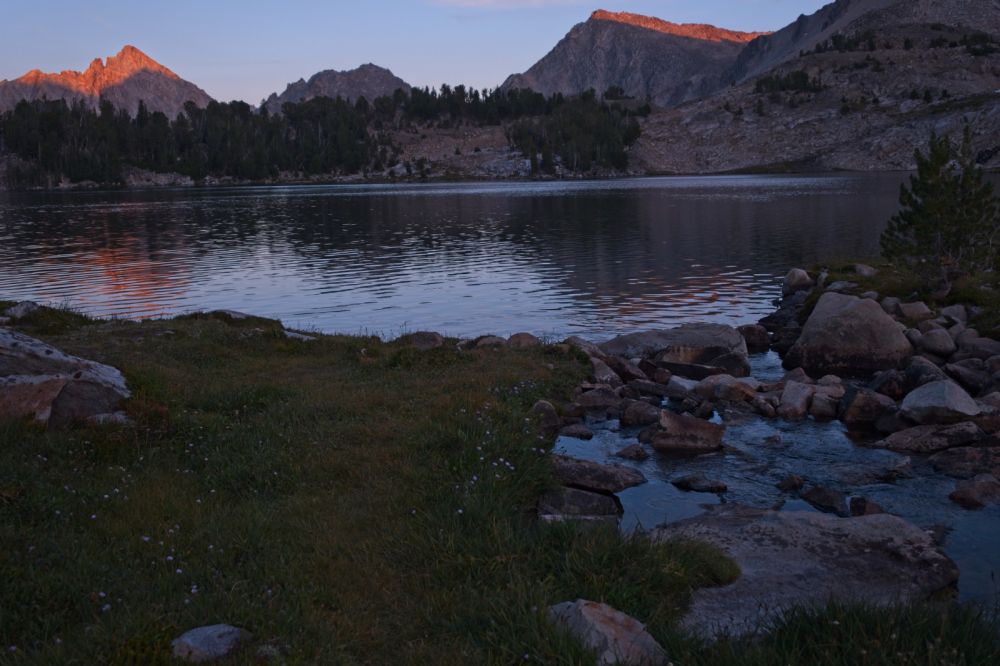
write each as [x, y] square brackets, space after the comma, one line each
[321, 136]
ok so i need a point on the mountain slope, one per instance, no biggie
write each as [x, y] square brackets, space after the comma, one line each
[861, 94]
[368, 81]
[663, 62]
[124, 79]
[849, 17]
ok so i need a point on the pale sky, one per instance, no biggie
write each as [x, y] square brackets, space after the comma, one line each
[247, 49]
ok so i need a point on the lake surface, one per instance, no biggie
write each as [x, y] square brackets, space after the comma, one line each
[588, 258]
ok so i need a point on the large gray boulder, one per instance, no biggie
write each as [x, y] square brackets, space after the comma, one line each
[939, 402]
[847, 335]
[41, 382]
[698, 344]
[800, 559]
[615, 637]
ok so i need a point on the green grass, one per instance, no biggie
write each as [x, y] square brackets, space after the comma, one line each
[349, 501]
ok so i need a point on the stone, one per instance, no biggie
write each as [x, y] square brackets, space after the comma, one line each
[890, 304]
[614, 637]
[795, 400]
[112, 419]
[827, 499]
[680, 388]
[870, 295]
[577, 431]
[842, 285]
[638, 413]
[862, 408]
[956, 313]
[824, 407]
[545, 414]
[938, 342]
[891, 383]
[864, 507]
[830, 380]
[41, 382]
[796, 280]
[891, 421]
[933, 438]
[971, 377]
[992, 399]
[4, 321]
[927, 326]
[917, 311]
[22, 310]
[602, 374]
[800, 559]
[210, 643]
[298, 337]
[626, 370]
[697, 483]
[939, 402]
[968, 461]
[588, 475]
[489, 342]
[757, 338]
[983, 348]
[791, 483]
[708, 388]
[977, 492]
[920, 371]
[692, 371]
[523, 341]
[956, 331]
[913, 336]
[563, 504]
[848, 335]
[425, 340]
[690, 343]
[687, 435]
[633, 452]
[645, 387]
[587, 347]
[865, 271]
[797, 375]
[599, 399]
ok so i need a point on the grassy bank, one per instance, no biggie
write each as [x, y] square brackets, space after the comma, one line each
[346, 500]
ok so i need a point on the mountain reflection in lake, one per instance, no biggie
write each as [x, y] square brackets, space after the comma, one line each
[589, 258]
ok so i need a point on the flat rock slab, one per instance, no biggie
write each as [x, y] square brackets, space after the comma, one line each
[794, 559]
[594, 476]
[617, 638]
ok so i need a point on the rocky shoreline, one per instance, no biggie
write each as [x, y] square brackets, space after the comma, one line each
[923, 381]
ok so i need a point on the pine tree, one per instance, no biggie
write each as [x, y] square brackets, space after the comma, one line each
[948, 224]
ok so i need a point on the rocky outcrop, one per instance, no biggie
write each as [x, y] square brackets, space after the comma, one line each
[614, 637]
[648, 58]
[849, 335]
[40, 382]
[799, 559]
[124, 80]
[368, 81]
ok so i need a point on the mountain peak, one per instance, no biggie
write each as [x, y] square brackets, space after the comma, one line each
[101, 74]
[701, 31]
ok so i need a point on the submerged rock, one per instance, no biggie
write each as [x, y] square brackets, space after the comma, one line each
[577, 431]
[977, 492]
[802, 559]
[209, 643]
[697, 483]
[614, 637]
[848, 335]
[827, 499]
[593, 476]
[687, 435]
[967, 461]
[633, 452]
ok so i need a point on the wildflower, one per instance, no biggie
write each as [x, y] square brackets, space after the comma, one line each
[105, 608]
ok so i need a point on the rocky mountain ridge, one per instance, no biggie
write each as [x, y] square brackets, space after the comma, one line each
[648, 58]
[124, 79]
[368, 81]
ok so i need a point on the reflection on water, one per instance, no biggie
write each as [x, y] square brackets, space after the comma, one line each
[552, 258]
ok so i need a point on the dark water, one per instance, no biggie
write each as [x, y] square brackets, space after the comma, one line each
[591, 258]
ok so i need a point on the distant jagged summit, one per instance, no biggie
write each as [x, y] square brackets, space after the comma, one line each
[123, 79]
[649, 58]
[702, 31]
[368, 81]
